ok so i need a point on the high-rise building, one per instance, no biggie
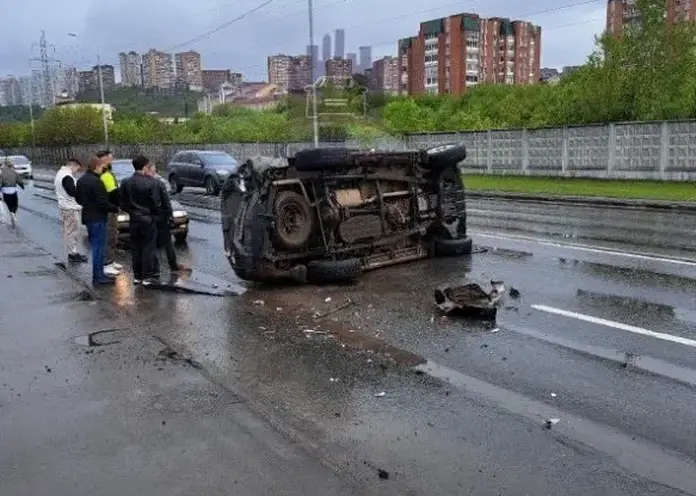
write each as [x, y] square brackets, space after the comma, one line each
[131, 64]
[452, 54]
[339, 43]
[87, 81]
[313, 52]
[353, 61]
[28, 89]
[326, 48]
[365, 59]
[10, 92]
[67, 81]
[385, 75]
[214, 78]
[624, 13]
[339, 68]
[290, 73]
[188, 70]
[108, 76]
[158, 70]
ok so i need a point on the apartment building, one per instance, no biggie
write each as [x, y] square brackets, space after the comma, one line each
[158, 70]
[89, 80]
[131, 65]
[189, 71]
[289, 72]
[385, 75]
[623, 13]
[457, 52]
[339, 68]
[10, 91]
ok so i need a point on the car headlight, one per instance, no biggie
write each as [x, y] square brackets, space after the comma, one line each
[122, 217]
[222, 172]
[178, 214]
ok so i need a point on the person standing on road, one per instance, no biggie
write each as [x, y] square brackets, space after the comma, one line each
[111, 185]
[9, 181]
[65, 186]
[141, 200]
[91, 195]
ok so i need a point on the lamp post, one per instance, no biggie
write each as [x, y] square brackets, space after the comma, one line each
[105, 122]
[315, 116]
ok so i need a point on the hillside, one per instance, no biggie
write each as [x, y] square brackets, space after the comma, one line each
[136, 101]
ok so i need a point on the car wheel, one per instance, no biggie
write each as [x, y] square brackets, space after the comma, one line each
[294, 219]
[453, 247]
[175, 184]
[180, 238]
[334, 271]
[445, 156]
[211, 187]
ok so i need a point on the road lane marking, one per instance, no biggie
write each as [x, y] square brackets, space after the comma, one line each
[589, 249]
[639, 456]
[616, 325]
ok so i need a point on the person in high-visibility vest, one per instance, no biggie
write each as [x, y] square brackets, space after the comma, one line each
[111, 185]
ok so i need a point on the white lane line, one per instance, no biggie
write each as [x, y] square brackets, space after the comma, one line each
[589, 249]
[616, 325]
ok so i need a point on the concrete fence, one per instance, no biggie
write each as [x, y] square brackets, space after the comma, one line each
[636, 150]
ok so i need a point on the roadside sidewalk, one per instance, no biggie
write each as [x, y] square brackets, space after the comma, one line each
[90, 405]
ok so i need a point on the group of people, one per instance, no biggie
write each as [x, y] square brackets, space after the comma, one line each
[10, 180]
[95, 200]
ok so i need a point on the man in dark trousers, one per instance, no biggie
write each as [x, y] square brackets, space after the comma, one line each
[91, 195]
[141, 200]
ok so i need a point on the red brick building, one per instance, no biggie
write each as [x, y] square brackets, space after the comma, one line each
[623, 13]
[454, 53]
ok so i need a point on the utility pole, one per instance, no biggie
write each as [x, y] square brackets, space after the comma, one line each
[46, 72]
[315, 116]
[103, 104]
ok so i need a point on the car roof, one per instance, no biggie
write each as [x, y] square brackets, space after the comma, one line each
[205, 152]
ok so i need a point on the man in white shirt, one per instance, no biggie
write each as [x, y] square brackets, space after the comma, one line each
[70, 211]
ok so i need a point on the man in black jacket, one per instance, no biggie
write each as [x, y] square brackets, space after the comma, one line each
[141, 199]
[90, 193]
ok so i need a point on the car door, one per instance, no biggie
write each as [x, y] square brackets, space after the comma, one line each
[186, 169]
[198, 170]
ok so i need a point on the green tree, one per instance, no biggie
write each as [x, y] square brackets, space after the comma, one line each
[62, 126]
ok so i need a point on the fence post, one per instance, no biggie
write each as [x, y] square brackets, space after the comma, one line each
[564, 155]
[611, 156]
[664, 148]
[525, 152]
[489, 151]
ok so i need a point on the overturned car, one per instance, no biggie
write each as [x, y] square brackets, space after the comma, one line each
[327, 215]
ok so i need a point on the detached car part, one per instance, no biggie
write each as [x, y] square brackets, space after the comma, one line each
[327, 215]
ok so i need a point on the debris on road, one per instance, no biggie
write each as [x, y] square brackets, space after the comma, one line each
[383, 474]
[514, 293]
[319, 315]
[327, 300]
[495, 330]
[551, 422]
[380, 395]
[259, 302]
[470, 300]
[553, 395]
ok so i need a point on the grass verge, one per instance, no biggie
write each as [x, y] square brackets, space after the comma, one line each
[561, 186]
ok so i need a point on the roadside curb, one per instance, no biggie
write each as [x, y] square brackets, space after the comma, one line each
[586, 201]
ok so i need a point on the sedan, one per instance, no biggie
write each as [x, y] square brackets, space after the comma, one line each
[123, 169]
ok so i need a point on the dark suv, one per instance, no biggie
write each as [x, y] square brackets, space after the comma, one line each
[327, 215]
[200, 168]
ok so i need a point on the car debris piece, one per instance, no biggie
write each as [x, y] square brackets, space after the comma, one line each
[514, 293]
[470, 300]
[380, 395]
[551, 422]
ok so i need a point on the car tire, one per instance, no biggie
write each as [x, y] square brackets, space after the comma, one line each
[334, 271]
[211, 186]
[175, 184]
[445, 156]
[291, 200]
[321, 158]
[180, 238]
[453, 247]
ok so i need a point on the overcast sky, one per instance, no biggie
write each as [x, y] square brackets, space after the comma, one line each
[108, 27]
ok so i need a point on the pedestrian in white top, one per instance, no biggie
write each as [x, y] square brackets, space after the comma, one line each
[70, 210]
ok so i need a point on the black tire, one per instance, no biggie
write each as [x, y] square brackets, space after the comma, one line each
[180, 238]
[453, 247]
[322, 158]
[211, 186]
[175, 184]
[334, 271]
[446, 156]
[294, 219]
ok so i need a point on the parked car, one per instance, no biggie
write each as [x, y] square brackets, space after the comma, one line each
[200, 168]
[122, 169]
[21, 164]
[327, 215]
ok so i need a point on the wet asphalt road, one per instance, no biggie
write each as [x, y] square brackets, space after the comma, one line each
[604, 341]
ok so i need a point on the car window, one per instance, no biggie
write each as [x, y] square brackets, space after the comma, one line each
[19, 160]
[218, 159]
[122, 168]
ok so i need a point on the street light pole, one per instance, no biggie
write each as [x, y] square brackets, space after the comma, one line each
[315, 116]
[103, 104]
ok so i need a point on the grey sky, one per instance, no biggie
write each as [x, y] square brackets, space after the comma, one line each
[108, 27]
